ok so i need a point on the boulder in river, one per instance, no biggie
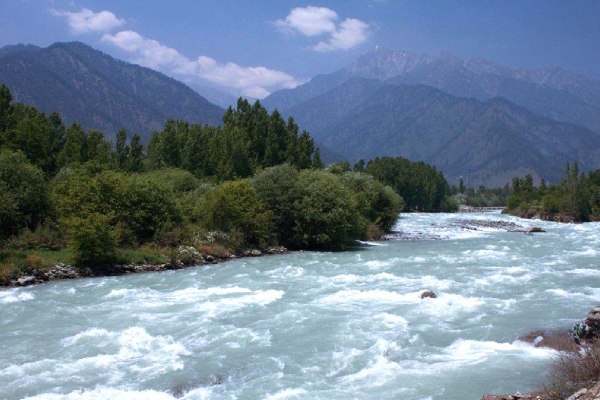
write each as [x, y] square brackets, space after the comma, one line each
[428, 293]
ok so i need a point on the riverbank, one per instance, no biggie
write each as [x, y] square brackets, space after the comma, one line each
[184, 257]
[575, 371]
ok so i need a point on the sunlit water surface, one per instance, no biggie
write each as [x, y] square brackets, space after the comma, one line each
[310, 325]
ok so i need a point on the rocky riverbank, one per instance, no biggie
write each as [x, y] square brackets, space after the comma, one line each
[185, 257]
[578, 359]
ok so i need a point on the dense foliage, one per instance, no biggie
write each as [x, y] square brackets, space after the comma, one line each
[250, 140]
[480, 197]
[421, 185]
[575, 198]
[23, 193]
[254, 182]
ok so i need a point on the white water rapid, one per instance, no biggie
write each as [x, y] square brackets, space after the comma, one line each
[310, 325]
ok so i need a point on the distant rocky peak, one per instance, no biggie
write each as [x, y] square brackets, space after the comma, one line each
[382, 63]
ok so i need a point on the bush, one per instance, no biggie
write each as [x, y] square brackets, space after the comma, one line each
[141, 208]
[326, 214]
[377, 203]
[23, 194]
[42, 237]
[572, 371]
[277, 187]
[234, 207]
[311, 209]
[92, 240]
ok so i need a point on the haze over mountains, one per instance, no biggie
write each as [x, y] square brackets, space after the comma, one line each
[474, 118]
[100, 92]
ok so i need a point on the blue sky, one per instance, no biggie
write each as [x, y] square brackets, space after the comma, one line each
[258, 46]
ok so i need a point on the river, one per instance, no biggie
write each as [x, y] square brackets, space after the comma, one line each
[312, 325]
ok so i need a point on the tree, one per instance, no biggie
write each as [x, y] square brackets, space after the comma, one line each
[421, 185]
[5, 107]
[135, 161]
[121, 149]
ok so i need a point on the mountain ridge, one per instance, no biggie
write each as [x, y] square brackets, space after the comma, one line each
[462, 136]
[551, 91]
[102, 93]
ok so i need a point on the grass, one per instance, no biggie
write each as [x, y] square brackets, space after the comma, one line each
[140, 255]
[15, 263]
[18, 262]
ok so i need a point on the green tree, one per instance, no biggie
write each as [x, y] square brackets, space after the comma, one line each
[121, 149]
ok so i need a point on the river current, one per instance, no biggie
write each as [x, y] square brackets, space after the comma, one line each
[312, 325]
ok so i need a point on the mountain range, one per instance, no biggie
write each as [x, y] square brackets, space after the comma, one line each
[102, 93]
[473, 119]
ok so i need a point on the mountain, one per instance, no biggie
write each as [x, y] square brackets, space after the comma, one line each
[485, 142]
[553, 92]
[100, 92]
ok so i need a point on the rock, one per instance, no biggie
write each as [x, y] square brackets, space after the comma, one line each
[210, 259]
[536, 229]
[578, 394]
[428, 293]
[516, 396]
[593, 319]
[255, 253]
[26, 280]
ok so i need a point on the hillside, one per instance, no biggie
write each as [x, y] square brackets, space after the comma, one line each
[552, 92]
[484, 142]
[100, 92]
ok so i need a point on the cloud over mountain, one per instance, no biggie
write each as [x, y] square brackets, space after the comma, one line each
[253, 81]
[86, 20]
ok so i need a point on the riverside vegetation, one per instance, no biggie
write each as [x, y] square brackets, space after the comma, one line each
[575, 199]
[70, 196]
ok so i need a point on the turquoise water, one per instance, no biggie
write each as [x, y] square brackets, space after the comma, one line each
[310, 325]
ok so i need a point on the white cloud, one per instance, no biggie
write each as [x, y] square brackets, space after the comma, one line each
[86, 20]
[310, 21]
[351, 32]
[317, 21]
[250, 81]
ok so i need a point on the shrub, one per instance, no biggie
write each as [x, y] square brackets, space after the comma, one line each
[552, 204]
[572, 371]
[141, 208]
[311, 209]
[23, 194]
[326, 215]
[234, 206]
[377, 203]
[42, 237]
[92, 240]
[277, 188]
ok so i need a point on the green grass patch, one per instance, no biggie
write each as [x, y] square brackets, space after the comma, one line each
[18, 262]
[140, 255]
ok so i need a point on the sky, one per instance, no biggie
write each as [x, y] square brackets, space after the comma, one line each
[254, 47]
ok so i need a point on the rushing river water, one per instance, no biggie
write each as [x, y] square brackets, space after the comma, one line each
[308, 325]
